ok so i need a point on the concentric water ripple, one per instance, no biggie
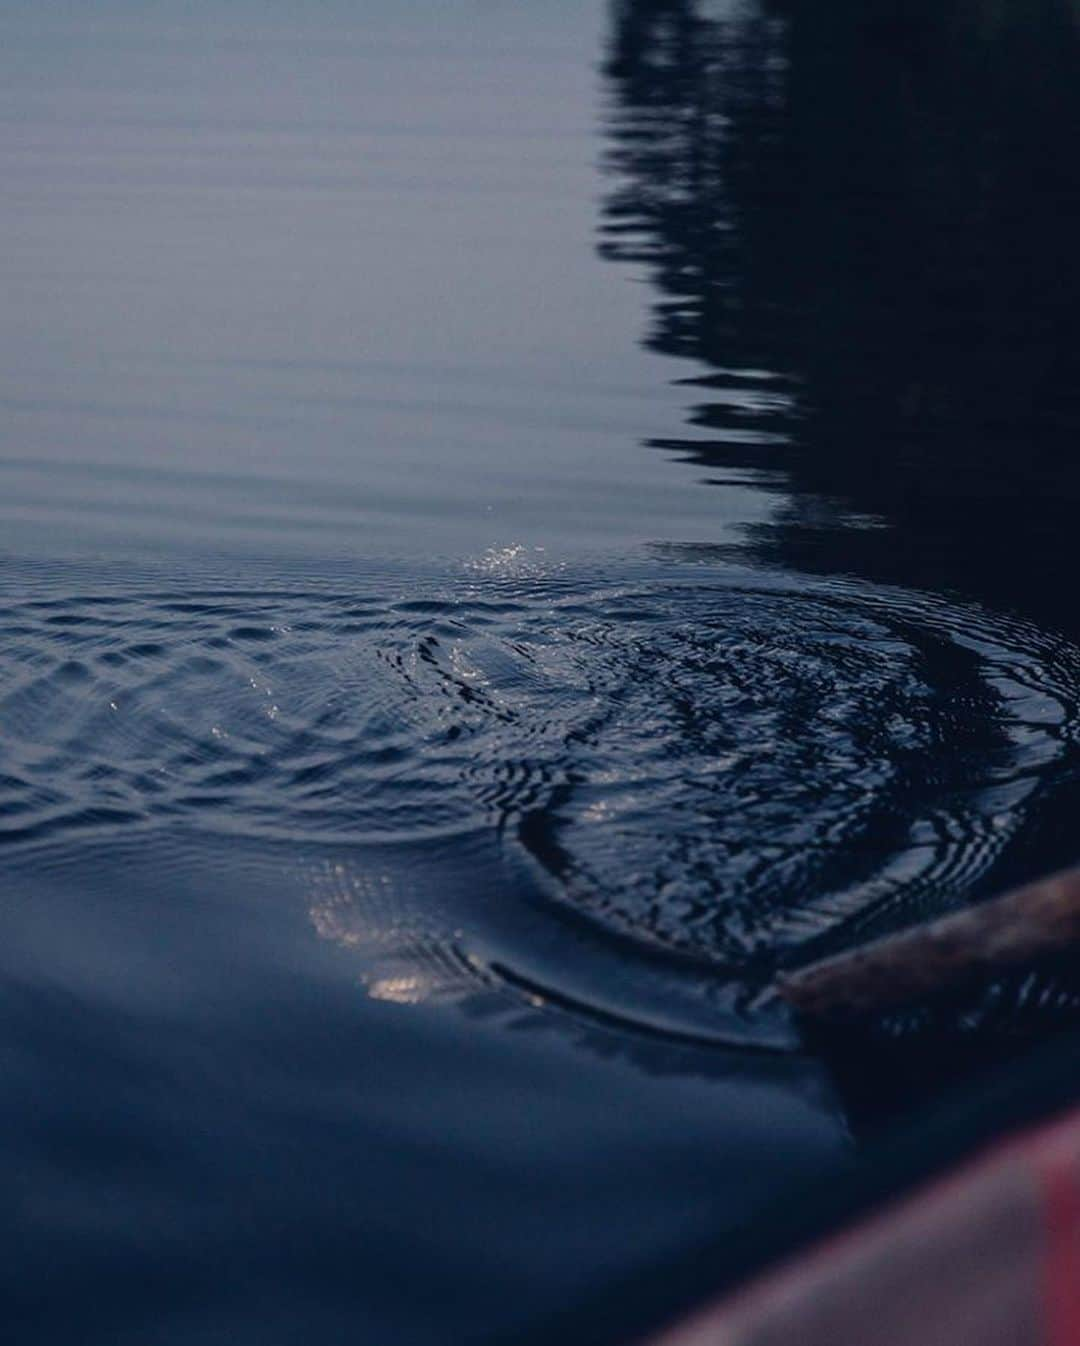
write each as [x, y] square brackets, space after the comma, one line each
[725, 772]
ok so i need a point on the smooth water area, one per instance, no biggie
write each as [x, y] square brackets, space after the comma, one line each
[516, 524]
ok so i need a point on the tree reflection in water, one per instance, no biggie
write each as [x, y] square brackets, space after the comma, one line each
[862, 220]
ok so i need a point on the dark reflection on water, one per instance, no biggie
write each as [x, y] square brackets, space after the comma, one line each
[408, 784]
[862, 221]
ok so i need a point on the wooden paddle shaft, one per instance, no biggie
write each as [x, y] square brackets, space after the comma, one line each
[1032, 922]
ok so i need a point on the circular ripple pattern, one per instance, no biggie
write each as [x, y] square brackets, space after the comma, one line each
[726, 772]
[733, 773]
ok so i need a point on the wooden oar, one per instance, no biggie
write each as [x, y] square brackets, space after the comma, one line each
[1037, 921]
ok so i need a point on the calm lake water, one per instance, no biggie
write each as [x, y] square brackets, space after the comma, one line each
[516, 522]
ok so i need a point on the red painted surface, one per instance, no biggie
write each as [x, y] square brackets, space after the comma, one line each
[989, 1256]
[1055, 1156]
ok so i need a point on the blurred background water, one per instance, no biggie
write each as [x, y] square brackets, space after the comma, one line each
[516, 524]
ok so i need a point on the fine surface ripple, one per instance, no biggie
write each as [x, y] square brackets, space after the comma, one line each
[725, 775]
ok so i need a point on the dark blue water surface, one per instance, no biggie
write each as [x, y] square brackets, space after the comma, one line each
[516, 522]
